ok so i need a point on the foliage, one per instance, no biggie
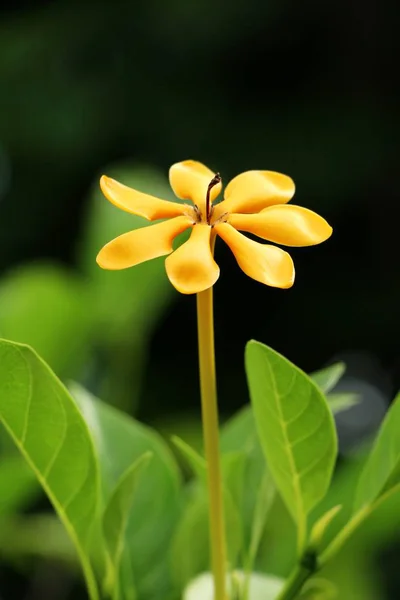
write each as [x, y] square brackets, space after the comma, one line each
[116, 486]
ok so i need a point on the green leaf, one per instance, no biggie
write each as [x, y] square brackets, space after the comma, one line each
[239, 433]
[52, 436]
[189, 559]
[233, 465]
[120, 440]
[18, 484]
[262, 587]
[47, 307]
[196, 518]
[254, 490]
[327, 378]
[382, 469]
[115, 519]
[359, 517]
[319, 528]
[264, 499]
[318, 589]
[195, 461]
[296, 430]
[342, 401]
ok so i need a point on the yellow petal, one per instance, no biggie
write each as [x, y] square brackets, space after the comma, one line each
[192, 268]
[252, 191]
[190, 179]
[268, 264]
[141, 244]
[140, 204]
[285, 224]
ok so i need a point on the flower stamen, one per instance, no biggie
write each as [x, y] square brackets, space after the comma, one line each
[222, 219]
[214, 181]
[193, 212]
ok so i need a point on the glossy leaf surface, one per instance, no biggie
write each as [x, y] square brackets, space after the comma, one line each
[382, 469]
[296, 430]
[52, 436]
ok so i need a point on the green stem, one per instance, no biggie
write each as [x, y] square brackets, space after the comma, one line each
[205, 323]
[296, 580]
[301, 534]
[343, 535]
[311, 564]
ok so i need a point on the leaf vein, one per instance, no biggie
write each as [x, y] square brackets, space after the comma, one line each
[299, 414]
[292, 464]
[47, 470]
[309, 434]
[314, 463]
[78, 490]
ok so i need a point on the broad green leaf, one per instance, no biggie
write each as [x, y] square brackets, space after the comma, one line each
[48, 308]
[382, 469]
[342, 401]
[120, 440]
[115, 520]
[18, 485]
[262, 587]
[296, 430]
[327, 378]
[52, 436]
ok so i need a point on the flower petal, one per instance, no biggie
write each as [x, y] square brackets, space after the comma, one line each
[268, 264]
[252, 191]
[285, 224]
[141, 244]
[140, 204]
[192, 268]
[190, 179]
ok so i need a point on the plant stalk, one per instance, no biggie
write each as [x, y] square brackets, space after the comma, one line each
[307, 568]
[295, 582]
[208, 389]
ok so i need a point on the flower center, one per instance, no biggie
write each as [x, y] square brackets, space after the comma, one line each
[195, 213]
[214, 181]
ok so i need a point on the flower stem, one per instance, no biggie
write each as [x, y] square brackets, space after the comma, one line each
[208, 388]
[295, 582]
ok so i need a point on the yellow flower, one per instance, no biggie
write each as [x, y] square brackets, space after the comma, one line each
[254, 201]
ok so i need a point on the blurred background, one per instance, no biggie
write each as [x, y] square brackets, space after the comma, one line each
[128, 88]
